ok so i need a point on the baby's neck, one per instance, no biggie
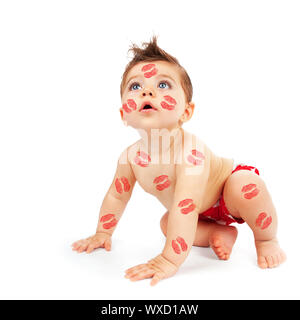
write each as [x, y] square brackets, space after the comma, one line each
[160, 141]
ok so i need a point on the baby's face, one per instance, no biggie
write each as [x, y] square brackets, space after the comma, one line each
[153, 97]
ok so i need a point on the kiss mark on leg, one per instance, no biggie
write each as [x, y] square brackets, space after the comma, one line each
[142, 159]
[261, 217]
[190, 206]
[163, 185]
[196, 157]
[119, 186]
[251, 194]
[151, 73]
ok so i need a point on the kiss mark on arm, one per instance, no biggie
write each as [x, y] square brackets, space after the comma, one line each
[188, 204]
[161, 186]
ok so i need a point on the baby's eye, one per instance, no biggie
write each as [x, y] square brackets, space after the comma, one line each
[163, 85]
[134, 86]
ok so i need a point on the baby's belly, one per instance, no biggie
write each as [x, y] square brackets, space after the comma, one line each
[216, 183]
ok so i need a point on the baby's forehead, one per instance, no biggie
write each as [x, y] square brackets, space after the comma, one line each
[159, 67]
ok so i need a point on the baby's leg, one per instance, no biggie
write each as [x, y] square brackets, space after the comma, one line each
[209, 234]
[246, 196]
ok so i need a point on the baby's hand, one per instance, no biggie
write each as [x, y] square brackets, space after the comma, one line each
[99, 240]
[158, 268]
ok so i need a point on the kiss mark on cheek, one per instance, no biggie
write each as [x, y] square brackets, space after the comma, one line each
[176, 247]
[110, 224]
[196, 157]
[248, 194]
[119, 186]
[130, 107]
[161, 186]
[168, 106]
[148, 67]
[142, 159]
[261, 222]
[188, 204]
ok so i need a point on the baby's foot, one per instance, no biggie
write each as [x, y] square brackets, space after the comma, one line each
[269, 254]
[222, 239]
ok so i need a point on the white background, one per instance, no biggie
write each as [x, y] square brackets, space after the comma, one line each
[60, 68]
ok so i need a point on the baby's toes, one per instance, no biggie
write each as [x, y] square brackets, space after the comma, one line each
[262, 262]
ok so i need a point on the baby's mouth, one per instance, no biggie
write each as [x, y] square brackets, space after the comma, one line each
[146, 107]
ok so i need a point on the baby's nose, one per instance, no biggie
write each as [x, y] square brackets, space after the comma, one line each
[148, 92]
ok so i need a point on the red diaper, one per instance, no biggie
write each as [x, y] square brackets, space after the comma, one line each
[219, 212]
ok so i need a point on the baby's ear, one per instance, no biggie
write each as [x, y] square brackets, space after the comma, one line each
[188, 112]
[121, 113]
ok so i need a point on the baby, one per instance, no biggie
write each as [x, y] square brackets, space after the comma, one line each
[203, 193]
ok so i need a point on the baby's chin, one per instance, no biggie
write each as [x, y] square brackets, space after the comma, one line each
[148, 124]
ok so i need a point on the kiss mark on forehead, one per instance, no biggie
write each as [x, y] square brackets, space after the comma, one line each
[147, 67]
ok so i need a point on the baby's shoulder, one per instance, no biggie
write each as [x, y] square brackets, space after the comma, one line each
[192, 150]
[129, 153]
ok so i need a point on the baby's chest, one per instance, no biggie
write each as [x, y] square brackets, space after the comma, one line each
[157, 179]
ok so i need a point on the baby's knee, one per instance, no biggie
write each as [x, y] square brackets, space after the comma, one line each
[243, 186]
[164, 223]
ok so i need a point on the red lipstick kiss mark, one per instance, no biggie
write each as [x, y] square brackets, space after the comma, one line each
[163, 185]
[119, 186]
[151, 73]
[107, 217]
[184, 203]
[110, 224]
[182, 243]
[142, 159]
[196, 158]
[131, 104]
[167, 106]
[175, 247]
[260, 219]
[251, 194]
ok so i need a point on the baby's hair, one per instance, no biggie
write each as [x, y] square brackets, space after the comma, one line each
[150, 51]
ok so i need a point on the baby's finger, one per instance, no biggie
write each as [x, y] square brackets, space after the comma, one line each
[83, 247]
[157, 277]
[143, 274]
[134, 269]
[107, 245]
[91, 247]
[76, 244]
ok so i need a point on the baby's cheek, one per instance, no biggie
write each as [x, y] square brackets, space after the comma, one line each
[129, 106]
[168, 103]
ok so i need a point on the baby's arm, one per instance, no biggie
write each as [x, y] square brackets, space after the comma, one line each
[182, 223]
[112, 208]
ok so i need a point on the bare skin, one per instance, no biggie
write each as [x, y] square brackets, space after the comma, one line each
[187, 184]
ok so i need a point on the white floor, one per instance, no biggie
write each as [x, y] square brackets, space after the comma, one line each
[38, 263]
